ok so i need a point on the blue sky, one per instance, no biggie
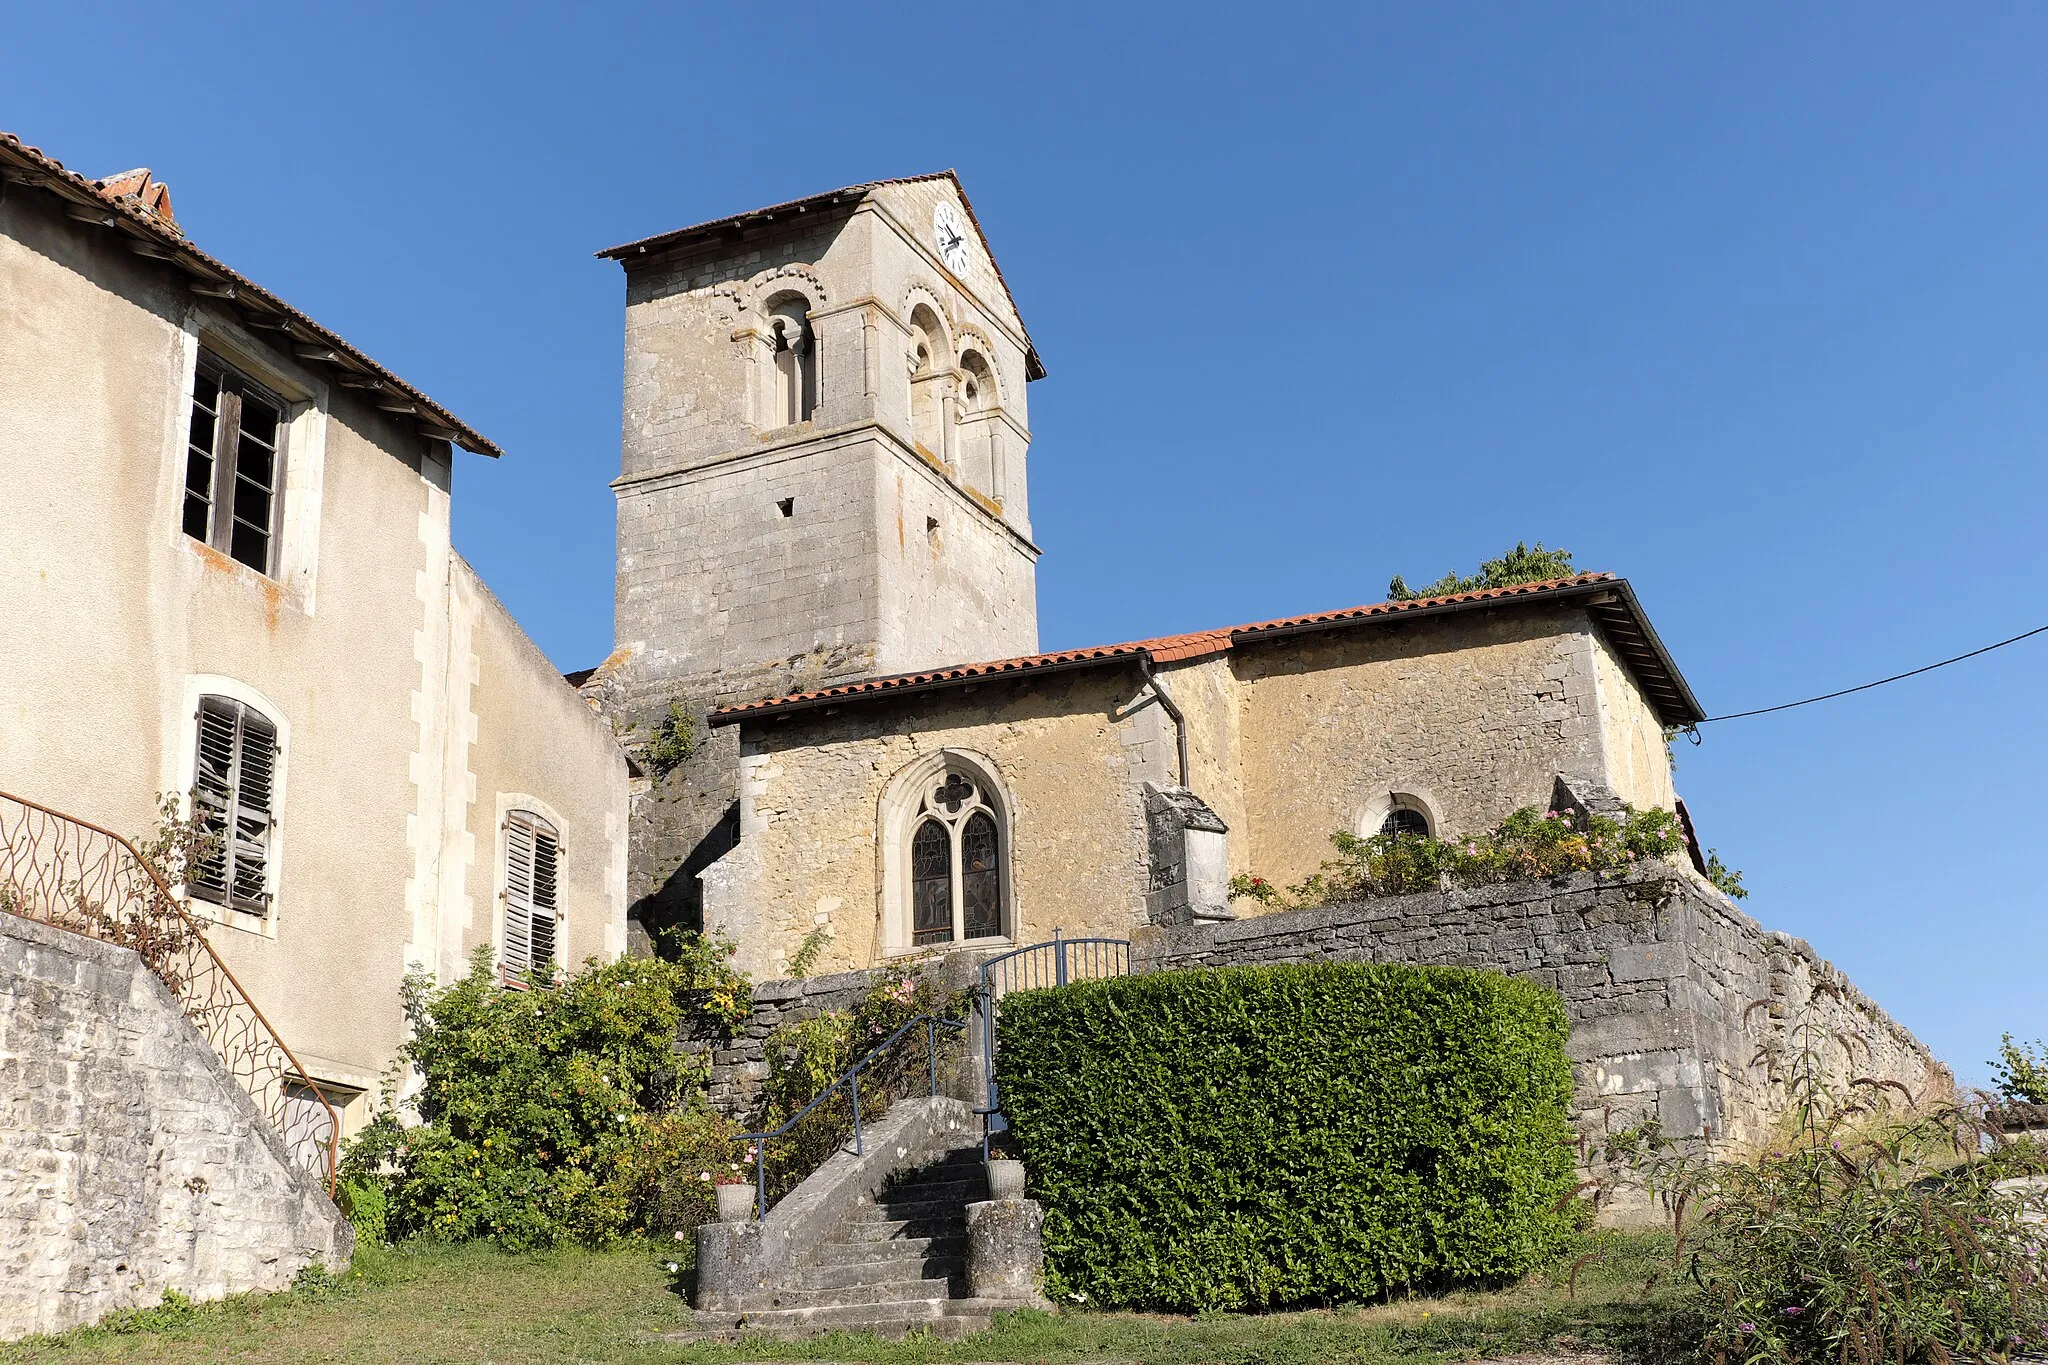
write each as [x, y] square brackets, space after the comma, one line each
[1749, 304]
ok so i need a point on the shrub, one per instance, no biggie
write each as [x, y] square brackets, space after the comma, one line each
[668, 1168]
[2021, 1071]
[1724, 877]
[1529, 843]
[1249, 1137]
[1519, 565]
[537, 1106]
[362, 1202]
[1875, 1234]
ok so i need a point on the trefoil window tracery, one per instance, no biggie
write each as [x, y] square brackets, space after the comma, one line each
[956, 876]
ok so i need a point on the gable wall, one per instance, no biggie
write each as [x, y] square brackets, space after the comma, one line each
[1631, 735]
[1476, 713]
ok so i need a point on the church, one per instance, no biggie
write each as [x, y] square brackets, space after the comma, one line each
[826, 578]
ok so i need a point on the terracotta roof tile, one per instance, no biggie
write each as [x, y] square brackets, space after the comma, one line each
[149, 232]
[1668, 689]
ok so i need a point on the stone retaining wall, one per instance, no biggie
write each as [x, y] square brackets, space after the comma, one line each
[131, 1162]
[739, 1062]
[1659, 976]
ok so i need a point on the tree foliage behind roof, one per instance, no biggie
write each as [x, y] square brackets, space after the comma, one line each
[1519, 565]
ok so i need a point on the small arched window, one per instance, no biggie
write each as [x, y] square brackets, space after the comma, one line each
[796, 362]
[1405, 820]
[956, 865]
[978, 388]
[927, 378]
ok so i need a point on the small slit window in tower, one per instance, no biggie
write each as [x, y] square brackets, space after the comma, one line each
[786, 506]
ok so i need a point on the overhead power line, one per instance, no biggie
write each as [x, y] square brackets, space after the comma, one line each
[1830, 696]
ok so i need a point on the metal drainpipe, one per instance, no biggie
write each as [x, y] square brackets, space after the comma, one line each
[1180, 722]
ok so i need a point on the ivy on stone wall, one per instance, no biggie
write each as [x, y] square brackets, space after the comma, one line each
[674, 740]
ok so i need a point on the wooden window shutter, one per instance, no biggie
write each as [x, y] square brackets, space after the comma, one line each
[234, 778]
[532, 857]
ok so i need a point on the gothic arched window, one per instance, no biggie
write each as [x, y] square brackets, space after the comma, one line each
[955, 864]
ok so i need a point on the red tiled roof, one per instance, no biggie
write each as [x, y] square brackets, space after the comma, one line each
[129, 213]
[1611, 599]
[1034, 368]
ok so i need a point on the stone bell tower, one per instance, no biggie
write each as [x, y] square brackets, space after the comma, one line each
[822, 478]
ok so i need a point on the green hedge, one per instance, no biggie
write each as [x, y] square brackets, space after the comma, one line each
[1248, 1137]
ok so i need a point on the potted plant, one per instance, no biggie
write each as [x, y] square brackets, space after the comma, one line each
[1005, 1178]
[736, 1195]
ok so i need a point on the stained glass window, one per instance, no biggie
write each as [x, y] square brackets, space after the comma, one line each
[931, 884]
[981, 878]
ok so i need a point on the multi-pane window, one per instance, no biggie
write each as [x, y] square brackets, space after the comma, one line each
[532, 856]
[233, 781]
[234, 464]
[956, 871]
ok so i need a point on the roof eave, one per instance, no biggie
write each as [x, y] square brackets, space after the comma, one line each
[737, 715]
[1676, 706]
[1629, 631]
[148, 236]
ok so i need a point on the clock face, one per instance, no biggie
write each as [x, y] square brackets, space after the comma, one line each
[949, 235]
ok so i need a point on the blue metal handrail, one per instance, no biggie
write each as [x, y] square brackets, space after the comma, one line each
[851, 1079]
[1093, 958]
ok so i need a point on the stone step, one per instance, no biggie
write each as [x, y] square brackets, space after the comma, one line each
[844, 1252]
[910, 1211]
[929, 1191]
[914, 1289]
[939, 1317]
[849, 1316]
[899, 1229]
[882, 1270]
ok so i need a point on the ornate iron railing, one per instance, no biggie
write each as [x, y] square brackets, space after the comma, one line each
[1055, 962]
[69, 873]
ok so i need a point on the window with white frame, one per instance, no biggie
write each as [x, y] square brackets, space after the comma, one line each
[532, 858]
[955, 864]
[234, 777]
[234, 464]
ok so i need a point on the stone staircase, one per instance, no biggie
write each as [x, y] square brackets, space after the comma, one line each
[899, 1262]
[890, 1239]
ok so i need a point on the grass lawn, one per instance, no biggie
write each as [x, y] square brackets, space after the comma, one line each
[474, 1304]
